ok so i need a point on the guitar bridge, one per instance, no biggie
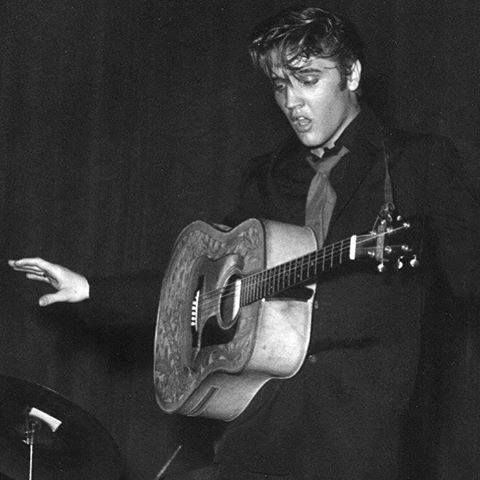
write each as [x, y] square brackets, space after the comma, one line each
[194, 316]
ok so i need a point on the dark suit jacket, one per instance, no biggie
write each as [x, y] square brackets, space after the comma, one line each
[341, 416]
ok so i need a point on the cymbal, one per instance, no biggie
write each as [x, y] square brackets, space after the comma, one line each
[69, 443]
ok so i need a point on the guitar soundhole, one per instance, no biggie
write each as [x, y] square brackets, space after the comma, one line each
[214, 334]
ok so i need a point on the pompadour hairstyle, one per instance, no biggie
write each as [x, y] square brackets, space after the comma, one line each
[305, 32]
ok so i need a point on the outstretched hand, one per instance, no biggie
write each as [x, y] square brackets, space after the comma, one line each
[71, 286]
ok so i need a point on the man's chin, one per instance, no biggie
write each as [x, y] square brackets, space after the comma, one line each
[308, 141]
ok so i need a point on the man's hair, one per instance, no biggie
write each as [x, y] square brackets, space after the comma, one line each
[303, 33]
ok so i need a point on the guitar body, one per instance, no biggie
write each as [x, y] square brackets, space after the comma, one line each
[213, 352]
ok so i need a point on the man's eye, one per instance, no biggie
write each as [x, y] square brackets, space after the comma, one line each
[308, 81]
[278, 86]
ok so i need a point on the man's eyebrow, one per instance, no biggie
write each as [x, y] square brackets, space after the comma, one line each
[307, 70]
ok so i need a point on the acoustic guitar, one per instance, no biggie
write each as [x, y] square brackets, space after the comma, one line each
[222, 331]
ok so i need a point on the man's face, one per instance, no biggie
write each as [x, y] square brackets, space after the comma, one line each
[312, 98]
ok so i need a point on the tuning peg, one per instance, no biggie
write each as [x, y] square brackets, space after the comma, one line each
[399, 263]
[414, 262]
[381, 267]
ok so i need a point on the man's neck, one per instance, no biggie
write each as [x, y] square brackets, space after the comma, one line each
[319, 151]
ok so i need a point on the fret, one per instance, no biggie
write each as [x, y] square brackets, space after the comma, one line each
[269, 282]
[290, 280]
[251, 288]
[261, 287]
[297, 271]
[288, 275]
[313, 265]
[273, 281]
[244, 291]
[277, 278]
[281, 277]
[301, 265]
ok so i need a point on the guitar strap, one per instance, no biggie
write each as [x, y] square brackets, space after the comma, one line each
[388, 206]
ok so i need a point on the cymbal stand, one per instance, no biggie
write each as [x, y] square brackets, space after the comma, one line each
[34, 422]
[31, 429]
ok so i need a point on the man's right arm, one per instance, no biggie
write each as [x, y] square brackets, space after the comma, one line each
[121, 300]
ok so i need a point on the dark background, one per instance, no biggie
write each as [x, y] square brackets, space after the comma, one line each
[123, 121]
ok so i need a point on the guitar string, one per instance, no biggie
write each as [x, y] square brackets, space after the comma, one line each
[307, 259]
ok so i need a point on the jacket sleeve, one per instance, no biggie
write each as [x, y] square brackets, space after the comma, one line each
[132, 300]
[121, 301]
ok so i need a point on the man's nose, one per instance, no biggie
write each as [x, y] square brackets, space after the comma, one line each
[292, 98]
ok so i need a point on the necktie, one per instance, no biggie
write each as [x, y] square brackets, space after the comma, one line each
[321, 197]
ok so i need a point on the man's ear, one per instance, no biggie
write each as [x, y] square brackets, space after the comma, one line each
[353, 80]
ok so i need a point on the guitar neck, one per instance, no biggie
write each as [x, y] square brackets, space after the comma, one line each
[298, 271]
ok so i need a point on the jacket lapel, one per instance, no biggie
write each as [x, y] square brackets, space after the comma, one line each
[364, 141]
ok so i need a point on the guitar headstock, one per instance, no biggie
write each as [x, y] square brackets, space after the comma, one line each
[387, 243]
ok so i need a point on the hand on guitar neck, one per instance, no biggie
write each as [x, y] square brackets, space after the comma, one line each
[71, 287]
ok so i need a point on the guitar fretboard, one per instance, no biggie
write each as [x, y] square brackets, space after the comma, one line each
[299, 271]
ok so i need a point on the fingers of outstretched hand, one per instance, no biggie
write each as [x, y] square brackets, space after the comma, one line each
[41, 277]
[32, 265]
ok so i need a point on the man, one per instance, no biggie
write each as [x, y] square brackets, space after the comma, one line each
[341, 416]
